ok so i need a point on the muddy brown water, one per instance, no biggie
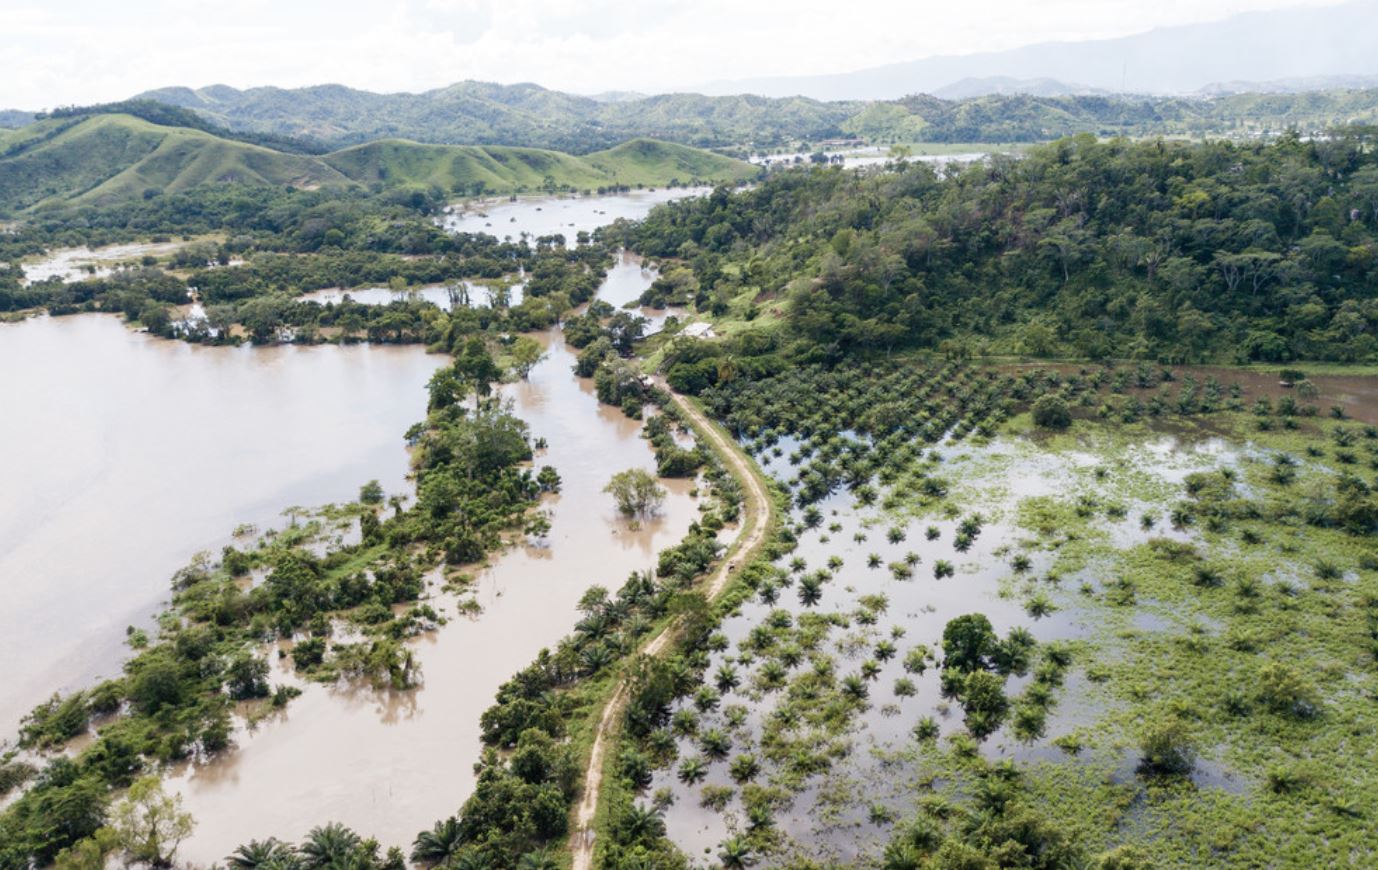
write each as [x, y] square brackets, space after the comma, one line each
[566, 215]
[828, 818]
[74, 264]
[392, 763]
[146, 451]
[126, 454]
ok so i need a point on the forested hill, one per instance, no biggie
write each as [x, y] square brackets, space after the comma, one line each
[102, 159]
[479, 113]
[1155, 250]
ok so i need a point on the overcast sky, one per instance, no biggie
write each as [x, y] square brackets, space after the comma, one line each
[58, 52]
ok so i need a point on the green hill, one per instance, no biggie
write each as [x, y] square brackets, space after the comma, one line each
[461, 168]
[482, 113]
[105, 158]
[108, 158]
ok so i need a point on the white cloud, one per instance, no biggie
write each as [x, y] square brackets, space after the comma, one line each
[79, 51]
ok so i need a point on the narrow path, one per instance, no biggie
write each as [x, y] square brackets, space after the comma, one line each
[751, 533]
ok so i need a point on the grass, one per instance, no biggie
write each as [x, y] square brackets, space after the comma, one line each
[114, 158]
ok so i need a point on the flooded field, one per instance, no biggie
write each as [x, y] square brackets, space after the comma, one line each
[567, 216]
[437, 294]
[73, 264]
[128, 454]
[391, 763]
[883, 598]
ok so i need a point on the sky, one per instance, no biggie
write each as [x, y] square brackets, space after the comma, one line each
[63, 52]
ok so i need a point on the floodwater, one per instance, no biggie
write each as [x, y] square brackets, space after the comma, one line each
[829, 818]
[436, 294]
[74, 264]
[858, 158]
[566, 215]
[392, 763]
[126, 454]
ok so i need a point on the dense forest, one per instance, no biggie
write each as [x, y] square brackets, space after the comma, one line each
[479, 113]
[1159, 250]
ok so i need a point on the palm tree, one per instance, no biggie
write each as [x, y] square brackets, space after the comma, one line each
[434, 846]
[472, 861]
[736, 853]
[692, 770]
[329, 845]
[541, 859]
[640, 823]
[263, 854]
[715, 744]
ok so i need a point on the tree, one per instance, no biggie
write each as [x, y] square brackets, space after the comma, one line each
[371, 493]
[150, 824]
[1051, 412]
[1167, 749]
[737, 853]
[439, 843]
[475, 366]
[269, 854]
[331, 846]
[526, 353]
[636, 492]
[968, 642]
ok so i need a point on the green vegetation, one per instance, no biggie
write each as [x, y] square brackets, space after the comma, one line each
[1153, 250]
[480, 113]
[637, 494]
[113, 158]
[1209, 707]
[176, 694]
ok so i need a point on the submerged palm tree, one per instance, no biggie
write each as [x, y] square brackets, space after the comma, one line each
[736, 853]
[437, 844]
[269, 854]
[543, 859]
[329, 845]
[641, 823]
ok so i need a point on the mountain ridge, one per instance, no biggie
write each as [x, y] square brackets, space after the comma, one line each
[105, 158]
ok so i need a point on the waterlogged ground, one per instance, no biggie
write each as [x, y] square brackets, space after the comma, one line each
[1164, 565]
[74, 264]
[533, 217]
[840, 814]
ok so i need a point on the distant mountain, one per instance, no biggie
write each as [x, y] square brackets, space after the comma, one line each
[1027, 118]
[1006, 86]
[1255, 46]
[1302, 85]
[481, 113]
[108, 158]
[11, 118]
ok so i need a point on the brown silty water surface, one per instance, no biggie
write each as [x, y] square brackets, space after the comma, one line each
[391, 763]
[126, 454]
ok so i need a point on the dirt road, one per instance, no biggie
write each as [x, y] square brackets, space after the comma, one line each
[752, 531]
